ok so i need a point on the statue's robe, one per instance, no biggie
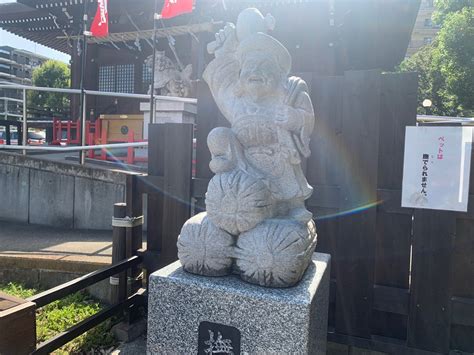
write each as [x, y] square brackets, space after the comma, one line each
[273, 152]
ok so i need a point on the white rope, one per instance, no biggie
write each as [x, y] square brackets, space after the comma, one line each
[131, 280]
[127, 222]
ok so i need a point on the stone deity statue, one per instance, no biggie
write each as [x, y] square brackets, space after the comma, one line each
[256, 224]
[169, 80]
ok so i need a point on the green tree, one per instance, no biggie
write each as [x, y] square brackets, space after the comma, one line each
[456, 56]
[54, 74]
[431, 84]
[447, 7]
[446, 67]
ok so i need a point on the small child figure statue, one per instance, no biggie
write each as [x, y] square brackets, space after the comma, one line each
[256, 223]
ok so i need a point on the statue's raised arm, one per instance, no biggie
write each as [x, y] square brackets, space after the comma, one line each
[222, 73]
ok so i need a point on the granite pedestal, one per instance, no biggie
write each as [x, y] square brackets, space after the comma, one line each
[225, 314]
[168, 112]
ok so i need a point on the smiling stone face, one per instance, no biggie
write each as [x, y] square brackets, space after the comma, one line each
[260, 75]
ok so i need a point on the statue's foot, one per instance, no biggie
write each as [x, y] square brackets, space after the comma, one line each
[205, 249]
[301, 214]
[276, 253]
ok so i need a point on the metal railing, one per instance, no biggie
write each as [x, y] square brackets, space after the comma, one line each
[86, 93]
[429, 119]
[73, 149]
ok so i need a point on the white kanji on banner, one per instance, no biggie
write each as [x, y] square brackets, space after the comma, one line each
[100, 24]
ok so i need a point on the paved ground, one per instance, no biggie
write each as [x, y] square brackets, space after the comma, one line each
[135, 347]
[26, 245]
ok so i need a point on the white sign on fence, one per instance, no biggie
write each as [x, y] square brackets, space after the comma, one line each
[436, 168]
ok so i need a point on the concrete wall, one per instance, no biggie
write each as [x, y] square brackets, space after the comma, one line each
[58, 194]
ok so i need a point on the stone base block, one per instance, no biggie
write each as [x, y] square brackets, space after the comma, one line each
[189, 314]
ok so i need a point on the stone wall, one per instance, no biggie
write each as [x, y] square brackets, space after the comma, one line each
[58, 194]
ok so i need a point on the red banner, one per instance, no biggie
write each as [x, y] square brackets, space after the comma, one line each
[100, 25]
[173, 8]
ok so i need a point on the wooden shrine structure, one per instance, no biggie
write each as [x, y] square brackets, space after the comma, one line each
[326, 37]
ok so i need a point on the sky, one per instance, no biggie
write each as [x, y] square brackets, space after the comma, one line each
[9, 39]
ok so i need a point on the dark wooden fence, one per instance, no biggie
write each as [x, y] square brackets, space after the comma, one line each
[402, 281]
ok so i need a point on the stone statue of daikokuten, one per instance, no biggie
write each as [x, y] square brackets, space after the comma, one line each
[169, 80]
[256, 224]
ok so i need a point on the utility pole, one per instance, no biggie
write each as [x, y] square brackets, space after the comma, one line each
[153, 66]
[82, 110]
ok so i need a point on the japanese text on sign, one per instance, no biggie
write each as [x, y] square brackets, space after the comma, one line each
[440, 179]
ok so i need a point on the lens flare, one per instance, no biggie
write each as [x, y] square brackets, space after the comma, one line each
[349, 212]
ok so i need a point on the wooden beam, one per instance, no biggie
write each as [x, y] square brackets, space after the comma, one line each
[391, 299]
[462, 311]
[377, 343]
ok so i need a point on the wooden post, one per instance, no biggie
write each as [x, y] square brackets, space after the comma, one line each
[170, 146]
[17, 324]
[134, 238]
[394, 223]
[323, 168]
[355, 244]
[68, 130]
[90, 137]
[429, 319]
[119, 246]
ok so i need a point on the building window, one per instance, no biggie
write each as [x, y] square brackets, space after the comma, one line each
[106, 78]
[428, 22]
[119, 78]
[427, 40]
[125, 78]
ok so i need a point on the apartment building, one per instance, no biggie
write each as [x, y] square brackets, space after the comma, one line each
[16, 67]
[425, 30]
